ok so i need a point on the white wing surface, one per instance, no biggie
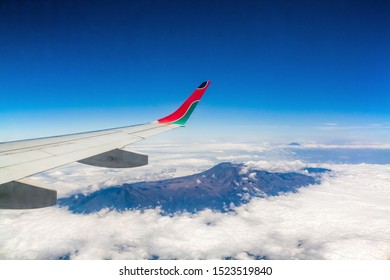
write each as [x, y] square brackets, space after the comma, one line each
[20, 159]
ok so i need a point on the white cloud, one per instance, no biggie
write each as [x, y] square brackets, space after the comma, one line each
[347, 216]
[343, 146]
[274, 166]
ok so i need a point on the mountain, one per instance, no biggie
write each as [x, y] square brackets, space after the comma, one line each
[218, 189]
[294, 144]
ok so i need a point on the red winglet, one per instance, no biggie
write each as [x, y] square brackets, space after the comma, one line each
[181, 115]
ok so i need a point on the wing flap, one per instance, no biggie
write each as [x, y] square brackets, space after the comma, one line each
[116, 159]
[19, 195]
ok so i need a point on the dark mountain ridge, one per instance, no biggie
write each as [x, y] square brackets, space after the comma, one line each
[218, 189]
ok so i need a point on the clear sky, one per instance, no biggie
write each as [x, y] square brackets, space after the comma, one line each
[305, 70]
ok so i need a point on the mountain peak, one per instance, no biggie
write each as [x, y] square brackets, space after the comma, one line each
[216, 188]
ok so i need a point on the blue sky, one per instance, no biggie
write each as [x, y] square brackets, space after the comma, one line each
[300, 70]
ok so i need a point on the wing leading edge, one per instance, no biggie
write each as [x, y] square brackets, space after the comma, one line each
[20, 159]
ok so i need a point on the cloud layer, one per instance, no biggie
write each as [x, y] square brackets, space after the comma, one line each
[345, 217]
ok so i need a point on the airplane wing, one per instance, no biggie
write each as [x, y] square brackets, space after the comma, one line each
[20, 159]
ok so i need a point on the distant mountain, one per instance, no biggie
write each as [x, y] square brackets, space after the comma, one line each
[218, 189]
[294, 144]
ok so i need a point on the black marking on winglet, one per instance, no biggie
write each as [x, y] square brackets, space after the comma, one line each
[203, 85]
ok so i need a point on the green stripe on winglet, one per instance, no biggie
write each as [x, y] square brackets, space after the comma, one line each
[184, 118]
